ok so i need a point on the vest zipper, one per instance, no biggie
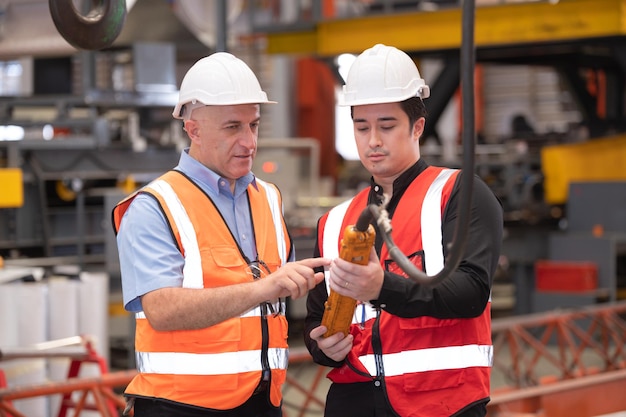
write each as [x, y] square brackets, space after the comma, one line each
[265, 364]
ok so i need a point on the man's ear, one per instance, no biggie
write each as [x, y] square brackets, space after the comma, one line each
[191, 127]
[418, 128]
[193, 132]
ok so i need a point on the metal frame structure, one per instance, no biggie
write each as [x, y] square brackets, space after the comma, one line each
[79, 350]
[561, 363]
[569, 363]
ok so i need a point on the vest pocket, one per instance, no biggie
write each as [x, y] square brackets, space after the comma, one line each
[225, 256]
[427, 323]
[218, 338]
[427, 332]
[434, 380]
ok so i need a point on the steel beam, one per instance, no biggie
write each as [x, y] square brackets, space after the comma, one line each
[496, 26]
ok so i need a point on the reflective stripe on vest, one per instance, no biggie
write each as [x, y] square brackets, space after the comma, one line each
[210, 364]
[192, 270]
[434, 359]
[276, 208]
[432, 240]
[330, 246]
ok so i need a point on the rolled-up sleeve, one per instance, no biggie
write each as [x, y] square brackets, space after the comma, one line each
[149, 257]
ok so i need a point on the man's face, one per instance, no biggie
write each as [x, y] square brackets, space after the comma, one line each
[386, 143]
[224, 138]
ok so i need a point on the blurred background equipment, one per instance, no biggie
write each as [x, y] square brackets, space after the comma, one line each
[82, 128]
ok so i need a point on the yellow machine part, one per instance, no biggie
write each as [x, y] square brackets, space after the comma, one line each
[595, 160]
[12, 186]
[64, 192]
[127, 185]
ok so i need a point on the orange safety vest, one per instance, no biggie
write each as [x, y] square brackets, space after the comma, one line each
[432, 367]
[220, 366]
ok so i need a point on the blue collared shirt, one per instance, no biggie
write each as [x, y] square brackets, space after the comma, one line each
[149, 258]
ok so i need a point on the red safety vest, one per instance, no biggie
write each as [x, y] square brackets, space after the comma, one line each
[220, 366]
[432, 367]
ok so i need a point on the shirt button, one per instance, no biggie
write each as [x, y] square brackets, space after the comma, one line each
[244, 237]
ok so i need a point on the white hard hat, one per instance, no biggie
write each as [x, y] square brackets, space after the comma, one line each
[220, 79]
[382, 74]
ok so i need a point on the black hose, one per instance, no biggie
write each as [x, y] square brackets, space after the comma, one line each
[364, 220]
[457, 249]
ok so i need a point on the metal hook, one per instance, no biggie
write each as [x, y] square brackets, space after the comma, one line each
[95, 30]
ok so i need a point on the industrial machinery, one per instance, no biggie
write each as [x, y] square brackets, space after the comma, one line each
[550, 84]
[77, 141]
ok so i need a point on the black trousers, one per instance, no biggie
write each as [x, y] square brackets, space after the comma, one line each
[364, 399]
[256, 406]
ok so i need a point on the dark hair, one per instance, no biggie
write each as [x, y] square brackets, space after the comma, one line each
[412, 106]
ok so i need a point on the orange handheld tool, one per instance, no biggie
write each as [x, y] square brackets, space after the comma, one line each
[356, 244]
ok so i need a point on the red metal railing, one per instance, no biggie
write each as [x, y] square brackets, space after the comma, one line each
[562, 363]
[95, 393]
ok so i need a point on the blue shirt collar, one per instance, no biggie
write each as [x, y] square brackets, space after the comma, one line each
[208, 179]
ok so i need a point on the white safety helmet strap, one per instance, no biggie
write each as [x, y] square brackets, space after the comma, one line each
[382, 74]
